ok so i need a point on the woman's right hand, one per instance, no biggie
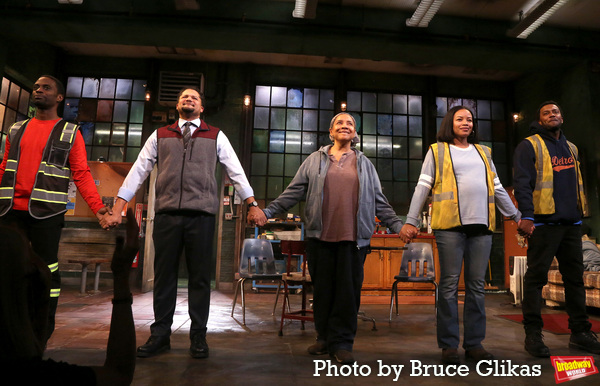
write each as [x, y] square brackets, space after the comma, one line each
[408, 232]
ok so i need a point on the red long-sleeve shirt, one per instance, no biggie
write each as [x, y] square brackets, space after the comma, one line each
[32, 147]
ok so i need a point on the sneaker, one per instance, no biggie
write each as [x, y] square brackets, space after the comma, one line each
[199, 347]
[154, 345]
[534, 344]
[478, 354]
[318, 348]
[450, 356]
[343, 356]
[587, 341]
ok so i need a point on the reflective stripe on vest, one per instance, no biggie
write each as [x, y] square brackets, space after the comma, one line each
[48, 196]
[543, 193]
[445, 207]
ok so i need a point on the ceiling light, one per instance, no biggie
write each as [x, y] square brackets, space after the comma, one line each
[424, 13]
[70, 1]
[535, 17]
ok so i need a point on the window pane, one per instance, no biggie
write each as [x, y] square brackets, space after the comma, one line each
[277, 119]
[498, 110]
[24, 102]
[293, 142]
[102, 135]
[276, 141]
[415, 146]
[400, 147]
[71, 109]
[292, 164]
[275, 167]
[107, 88]
[414, 104]
[484, 110]
[324, 120]
[90, 88]
[2, 108]
[442, 106]
[400, 170]
[294, 119]
[260, 140]
[259, 163]
[13, 97]
[87, 131]
[278, 96]
[400, 104]
[105, 110]
[118, 134]
[274, 187]
[294, 98]
[384, 147]
[384, 169]
[414, 170]
[132, 154]
[353, 99]
[121, 110]
[310, 120]
[415, 126]
[87, 110]
[134, 135]
[99, 153]
[259, 185]
[400, 125]
[124, 88]
[384, 103]
[311, 98]
[472, 104]
[261, 118]
[74, 85]
[139, 90]
[369, 101]
[263, 96]
[369, 125]
[115, 154]
[309, 142]
[369, 145]
[10, 117]
[137, 112]
[384, 124]
[326, 100]
[485, 130]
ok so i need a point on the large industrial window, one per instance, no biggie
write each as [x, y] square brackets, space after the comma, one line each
[110, 112]
[289, 124]
[491, 125]
[390, 127]
[14, 106]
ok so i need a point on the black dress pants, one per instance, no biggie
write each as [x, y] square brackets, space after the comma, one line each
[337, 272]
[193, 233]
[564, 242]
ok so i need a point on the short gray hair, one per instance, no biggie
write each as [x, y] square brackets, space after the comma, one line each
[355, 140]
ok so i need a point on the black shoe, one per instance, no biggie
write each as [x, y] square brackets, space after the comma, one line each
[199, 347]
[154, 345]
[318, 348]
[450, 356]
[534, 343]
[343, 356]
[478, 354]
[587, 341]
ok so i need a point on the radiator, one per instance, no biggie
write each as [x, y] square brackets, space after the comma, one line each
[518, 269]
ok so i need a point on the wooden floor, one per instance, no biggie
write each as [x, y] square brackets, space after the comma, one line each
[255, 355]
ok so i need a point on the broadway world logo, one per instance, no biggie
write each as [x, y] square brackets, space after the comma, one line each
[569, 368]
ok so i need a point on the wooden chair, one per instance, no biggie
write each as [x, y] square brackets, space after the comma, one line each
[290, 279]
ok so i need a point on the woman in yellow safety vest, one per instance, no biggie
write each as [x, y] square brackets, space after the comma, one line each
[462, 179]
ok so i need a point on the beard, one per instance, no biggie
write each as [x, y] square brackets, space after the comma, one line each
[553, 128]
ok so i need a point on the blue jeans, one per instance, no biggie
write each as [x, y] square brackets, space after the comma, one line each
[474, 249]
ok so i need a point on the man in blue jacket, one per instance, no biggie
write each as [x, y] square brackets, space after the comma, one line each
[549, 191]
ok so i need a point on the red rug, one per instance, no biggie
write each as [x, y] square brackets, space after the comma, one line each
[554, 323]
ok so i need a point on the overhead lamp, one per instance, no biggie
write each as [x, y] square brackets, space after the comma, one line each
[70, 1]
[247, 100]
[305, 9]
[535, 17]
[425, 11]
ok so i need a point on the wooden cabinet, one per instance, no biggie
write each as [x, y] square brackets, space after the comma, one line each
[382, 265]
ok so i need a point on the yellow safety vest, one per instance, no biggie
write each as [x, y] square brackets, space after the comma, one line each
[445, 209]
[543, 193]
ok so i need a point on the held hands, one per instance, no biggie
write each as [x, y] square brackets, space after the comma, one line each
[408, 232]
[103, 215]
[525, 228]
[256, 216]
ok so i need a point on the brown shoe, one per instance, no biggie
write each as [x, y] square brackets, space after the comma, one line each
[478, 354]
[450, 356]
[343, 356]
[319, 348]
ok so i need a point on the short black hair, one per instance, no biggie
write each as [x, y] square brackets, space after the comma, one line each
[446, 131]
[195, 88]
[60, 87]
[539, 110]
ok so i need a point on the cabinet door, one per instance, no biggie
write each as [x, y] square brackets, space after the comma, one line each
[374, 267]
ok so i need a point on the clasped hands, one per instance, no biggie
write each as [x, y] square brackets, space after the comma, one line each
[408, 232]
[108, 218]
[525, 228]
[256, 216]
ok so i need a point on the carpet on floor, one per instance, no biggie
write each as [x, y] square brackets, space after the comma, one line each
[554, 323]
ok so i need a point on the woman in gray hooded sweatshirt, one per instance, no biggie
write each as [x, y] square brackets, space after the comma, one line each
[343, 196]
